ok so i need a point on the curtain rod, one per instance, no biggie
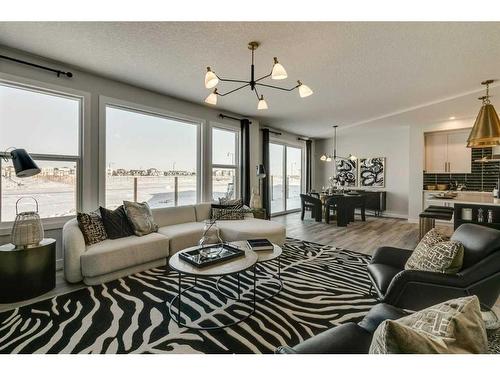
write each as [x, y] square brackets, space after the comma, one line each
[58, 72]
[271, 131]
[303, 139]
[221, 115]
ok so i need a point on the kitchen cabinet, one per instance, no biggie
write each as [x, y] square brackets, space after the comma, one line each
[447, 152]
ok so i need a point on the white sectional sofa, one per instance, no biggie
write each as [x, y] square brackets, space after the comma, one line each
[180, 227]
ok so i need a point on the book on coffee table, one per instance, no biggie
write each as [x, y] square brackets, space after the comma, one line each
[260, 244]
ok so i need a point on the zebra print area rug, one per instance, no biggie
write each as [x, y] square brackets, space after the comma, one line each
[323, 287]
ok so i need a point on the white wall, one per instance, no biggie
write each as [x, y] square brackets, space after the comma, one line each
[392, 142]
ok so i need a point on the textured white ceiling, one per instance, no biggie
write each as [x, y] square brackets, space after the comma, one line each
[358, 71]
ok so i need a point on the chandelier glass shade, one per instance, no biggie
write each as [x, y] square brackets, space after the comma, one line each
[212, 98]
[278, 72]
[262, 103]
[486, 129]
[211, 79]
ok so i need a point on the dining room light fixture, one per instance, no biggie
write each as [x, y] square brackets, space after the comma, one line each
[335, 157]
[486, 129]
[278, 72]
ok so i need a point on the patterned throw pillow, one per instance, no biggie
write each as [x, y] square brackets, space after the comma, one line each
[455, 326]
[141, 217]
[116, 223]
[431, 238]
[92, 227]
[443, 257]
[228, 211]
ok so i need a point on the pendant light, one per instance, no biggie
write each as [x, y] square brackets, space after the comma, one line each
[278, 71]
[212, 98]
[334, 157]
[211, 80]
[262, 103]
[486, 129]
[304, 91]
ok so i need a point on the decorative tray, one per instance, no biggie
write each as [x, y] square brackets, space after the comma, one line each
[210, 255]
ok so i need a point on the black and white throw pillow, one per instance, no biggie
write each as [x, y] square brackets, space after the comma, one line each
[92, 227]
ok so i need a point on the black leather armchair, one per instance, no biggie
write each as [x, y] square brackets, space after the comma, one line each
[415, 290]
[347, 338]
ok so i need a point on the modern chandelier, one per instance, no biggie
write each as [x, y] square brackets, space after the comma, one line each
[278, 72]
[334, 157]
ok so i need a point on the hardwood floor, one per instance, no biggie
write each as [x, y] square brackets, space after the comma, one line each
[360, 236]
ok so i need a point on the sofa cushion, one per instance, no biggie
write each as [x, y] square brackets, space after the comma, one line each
[382, 275]
[141, 218]
[248, 229]
[431, 238]
[116, 223]
[112, 255]
[443, 257]
[203, 211]
[454, 326]
[92, 227]
[182, 235]
[174, 215]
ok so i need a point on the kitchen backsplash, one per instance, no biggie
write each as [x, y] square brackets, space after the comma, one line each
[484, 176]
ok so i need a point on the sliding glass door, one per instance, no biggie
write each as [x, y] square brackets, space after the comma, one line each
[285, 171]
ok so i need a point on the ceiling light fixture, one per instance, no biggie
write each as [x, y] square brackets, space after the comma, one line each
[278, 72]
[486, 129]
[334, 157]
[451, 118]
[212, 98]
[211, 79]
[262, 103]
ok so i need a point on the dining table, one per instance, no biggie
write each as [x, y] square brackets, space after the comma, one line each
[344, 205]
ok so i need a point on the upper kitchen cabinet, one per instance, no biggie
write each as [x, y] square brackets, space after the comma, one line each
[447, 152]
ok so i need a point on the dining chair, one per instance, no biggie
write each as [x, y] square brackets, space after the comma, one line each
[313, 204]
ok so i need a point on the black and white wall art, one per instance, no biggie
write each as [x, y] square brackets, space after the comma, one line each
[347, 172]
[372, 172]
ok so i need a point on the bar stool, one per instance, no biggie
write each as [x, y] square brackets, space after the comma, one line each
[427, 219]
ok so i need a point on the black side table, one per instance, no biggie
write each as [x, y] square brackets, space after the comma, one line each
[27, 272]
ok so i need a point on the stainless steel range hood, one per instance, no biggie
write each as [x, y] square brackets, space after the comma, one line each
[493, 158]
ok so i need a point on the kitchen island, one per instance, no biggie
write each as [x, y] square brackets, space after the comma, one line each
[465, 197]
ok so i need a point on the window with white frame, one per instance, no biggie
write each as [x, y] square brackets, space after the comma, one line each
[225, 163]
[47, 125]
[150, 158]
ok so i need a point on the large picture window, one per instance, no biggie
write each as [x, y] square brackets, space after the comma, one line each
[225, 161]
[150, 158]
[47, 125]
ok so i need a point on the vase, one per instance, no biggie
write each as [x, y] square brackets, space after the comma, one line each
[210, 234]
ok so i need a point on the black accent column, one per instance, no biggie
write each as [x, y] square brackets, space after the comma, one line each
[245, 161]
[308, 166]
[266, 202]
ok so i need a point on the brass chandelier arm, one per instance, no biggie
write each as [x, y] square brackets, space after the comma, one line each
[236, 89]
[276, 87]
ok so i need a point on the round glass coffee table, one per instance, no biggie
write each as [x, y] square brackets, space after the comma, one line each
[232, 289]
[230, 267]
